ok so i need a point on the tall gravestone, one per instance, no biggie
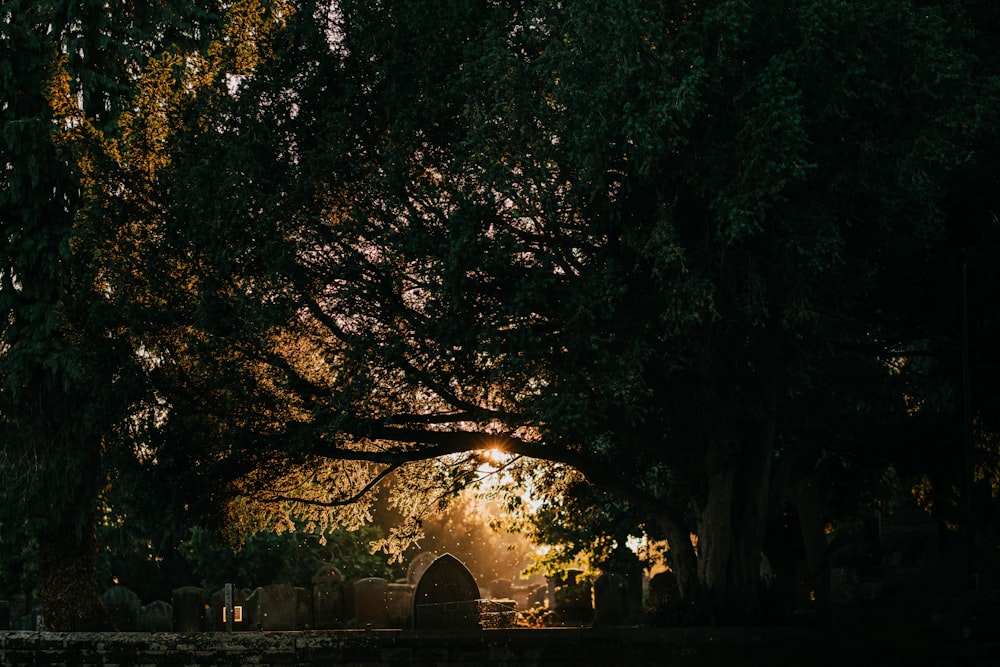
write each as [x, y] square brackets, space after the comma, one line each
[418, 566]
[626, 564]
[277, 605]
[303, 609]
[611, 604]
[570, 597]
[328, 598]
[220, 616]
[370, 602]
[399, 605]
[446, 596]
[189, 605]
[502, 589]
[123, 607]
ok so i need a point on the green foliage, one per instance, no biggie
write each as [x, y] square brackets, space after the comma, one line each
[287, 558]
[645, 241]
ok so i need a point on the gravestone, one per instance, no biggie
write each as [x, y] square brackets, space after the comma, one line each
[856, 575]
[155, 617]
[251, 609]
[123, 607]
[446, 596]
[537, 596]
[328, 598]
[625, 563]
[303, 609]
[276, 607]
[189, 605]
[502, 588]
[418, 566]
[18, 606]
[4, 615]
[662, 593]
[370, 602]
[399, 605]
[219, 615]
[611, 600]
[570, 597]
[911, 552]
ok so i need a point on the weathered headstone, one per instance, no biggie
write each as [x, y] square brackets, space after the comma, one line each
[856, 575]
[418, 566]
[18, 606]
[25, 613]
[155, 617]
[911, 551]
[123, 607]
[537, 596]
[502, 588]
[399, 605]
[370, 602]
[570, 597]
[303, 609]
[610, 600]
[328, 598]
[624, 562]
[277, 605]
[251, 609]
[662, 592]
[446, 596]
[220, 616]
[189, 605]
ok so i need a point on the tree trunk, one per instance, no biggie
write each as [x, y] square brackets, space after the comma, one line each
[733, 518]
[67, 573]
[731, 537]
[805, 498]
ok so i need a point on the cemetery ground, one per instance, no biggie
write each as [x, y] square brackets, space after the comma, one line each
[439, 615]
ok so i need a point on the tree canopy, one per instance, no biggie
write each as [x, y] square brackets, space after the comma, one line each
[670, 249]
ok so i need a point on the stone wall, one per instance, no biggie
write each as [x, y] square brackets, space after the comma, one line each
[468, 648]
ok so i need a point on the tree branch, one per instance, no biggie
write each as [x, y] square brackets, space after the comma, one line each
[385, 472]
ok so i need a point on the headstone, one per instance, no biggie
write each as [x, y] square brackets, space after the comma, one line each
[190, 609]
[446, 596]
[502, 588]
[911, 551]
[277, 605]
[570, 597]
[662, 591]
[418, 566]
[537, 596]
[123, 607]
[856, 575]
[328, 598]
[18, 605]
[303, 609]
[370, 602]
[610, 600]
[399, 605]
[4, 615]
[624, 562]
[155, 617]
[220, 616]
[251, 609]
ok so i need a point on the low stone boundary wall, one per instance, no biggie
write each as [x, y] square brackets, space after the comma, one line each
[631, 647]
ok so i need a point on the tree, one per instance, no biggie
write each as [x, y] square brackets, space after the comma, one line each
[69, 372]
[620, 240]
